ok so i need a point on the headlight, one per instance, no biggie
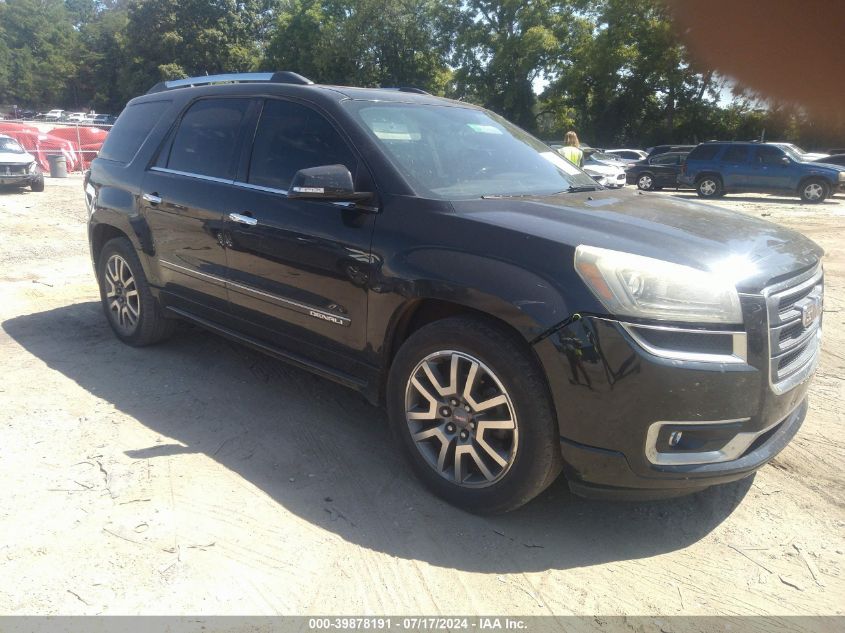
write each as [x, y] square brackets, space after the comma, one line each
[842, 176]
[33, 167]
[636, 286]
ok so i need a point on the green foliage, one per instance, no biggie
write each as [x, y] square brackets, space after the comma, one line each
[613, 70]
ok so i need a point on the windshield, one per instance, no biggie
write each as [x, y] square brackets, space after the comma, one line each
[793, 152]
[460, 153]
[10, 145]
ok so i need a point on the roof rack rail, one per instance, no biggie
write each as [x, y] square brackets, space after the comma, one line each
[279, 77]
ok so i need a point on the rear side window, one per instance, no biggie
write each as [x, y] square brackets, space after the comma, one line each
[131, 129]
[704, 152]
[206, 142]
[736, 154]
[291, 137]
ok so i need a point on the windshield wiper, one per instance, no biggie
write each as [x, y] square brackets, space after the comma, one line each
[495, 196]
[579, 189]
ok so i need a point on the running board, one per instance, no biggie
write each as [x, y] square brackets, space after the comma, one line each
[293, 359]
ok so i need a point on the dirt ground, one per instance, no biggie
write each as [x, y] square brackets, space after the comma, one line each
[199, 477]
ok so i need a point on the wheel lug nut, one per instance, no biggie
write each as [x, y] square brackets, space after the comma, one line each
[464, 435]
[454, 402]
[450, 428]
[466, 407]
[472, 425]
[445, 412]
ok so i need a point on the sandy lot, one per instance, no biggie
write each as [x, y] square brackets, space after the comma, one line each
[199, 477]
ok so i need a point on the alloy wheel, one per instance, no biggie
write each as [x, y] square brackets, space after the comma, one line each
[122, 298]
[813, 191]
[707, 187]
[645, 182]
[461, 419]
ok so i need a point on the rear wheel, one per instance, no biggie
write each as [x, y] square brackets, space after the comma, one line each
[472, 411]
[814, 190]
[645, 182]
[130, 307]
[709, 187]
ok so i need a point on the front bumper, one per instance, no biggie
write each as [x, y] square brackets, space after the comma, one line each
[8, 177]
[615, 398]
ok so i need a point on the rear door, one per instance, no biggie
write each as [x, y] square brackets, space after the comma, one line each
[184, 198]
[298, 268]
[735, 167]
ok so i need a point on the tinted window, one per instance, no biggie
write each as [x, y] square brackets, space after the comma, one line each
[131, 129]
[666, 159]
[735, 154]
[291, 137]
[704, 152]
[768, 155]
[207, 138]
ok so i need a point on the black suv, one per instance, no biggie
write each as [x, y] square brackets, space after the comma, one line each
[516, 318]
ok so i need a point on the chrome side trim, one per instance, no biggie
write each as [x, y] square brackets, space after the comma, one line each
[301, 308]
[176, 172]
[193, 272]
[730, 451]
[243, 219]
[246, 185]
[739, 354]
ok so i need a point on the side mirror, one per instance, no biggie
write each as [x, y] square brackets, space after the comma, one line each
[326, 182]
[785, 160]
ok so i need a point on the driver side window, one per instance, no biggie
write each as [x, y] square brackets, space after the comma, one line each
[767, 155]
[291, 137]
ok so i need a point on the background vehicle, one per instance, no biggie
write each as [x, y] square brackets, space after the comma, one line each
[18, 167]
[54, 115]
[662, 149]
[656, 172]
[836, 159]
[103, 119]
[357, 233]
[606, 169]
[76, 117]
[716, 168]
[801, 153]
[628, 155]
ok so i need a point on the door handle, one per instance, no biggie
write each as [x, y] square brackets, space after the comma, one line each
[243, 219]
[152, 198]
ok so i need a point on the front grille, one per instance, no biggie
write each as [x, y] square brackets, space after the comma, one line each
[12, 170]
[794, 336]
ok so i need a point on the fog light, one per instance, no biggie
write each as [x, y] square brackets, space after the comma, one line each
[675, 438]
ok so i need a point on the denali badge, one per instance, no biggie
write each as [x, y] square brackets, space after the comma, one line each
[811, 310]
[326, 317]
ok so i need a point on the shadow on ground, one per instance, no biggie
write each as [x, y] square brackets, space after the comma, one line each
[745, 198]
[271, 423]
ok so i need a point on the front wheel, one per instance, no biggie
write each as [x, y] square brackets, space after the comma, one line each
[645, 182]
[814, 191]
[38, 184]
[472, 412]
[709, 187]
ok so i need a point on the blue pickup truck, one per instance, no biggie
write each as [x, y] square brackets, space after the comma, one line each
[716, 168]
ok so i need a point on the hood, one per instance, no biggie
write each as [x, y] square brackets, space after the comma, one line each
[753, 251]
[811, 156]
[602, 168]
[13, 158]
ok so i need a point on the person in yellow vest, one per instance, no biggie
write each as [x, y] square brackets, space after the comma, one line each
[571, 150]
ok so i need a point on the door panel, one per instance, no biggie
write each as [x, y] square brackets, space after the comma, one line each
[186, 227]
[735, 167]
[299, 274]
[769, 172]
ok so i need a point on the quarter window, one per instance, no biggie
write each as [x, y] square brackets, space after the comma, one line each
[131, 130]
[207, 138]
[291, 137]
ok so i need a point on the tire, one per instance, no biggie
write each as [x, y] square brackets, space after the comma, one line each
[645, 182]
[38, 185]
[505, 372]
[130, 307]
[814, 190]
[709, 187]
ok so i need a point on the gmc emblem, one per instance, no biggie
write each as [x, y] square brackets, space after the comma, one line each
[811, 309]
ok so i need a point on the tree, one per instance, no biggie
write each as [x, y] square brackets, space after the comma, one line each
[40, 47]
[365, 42]
[505, 46]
